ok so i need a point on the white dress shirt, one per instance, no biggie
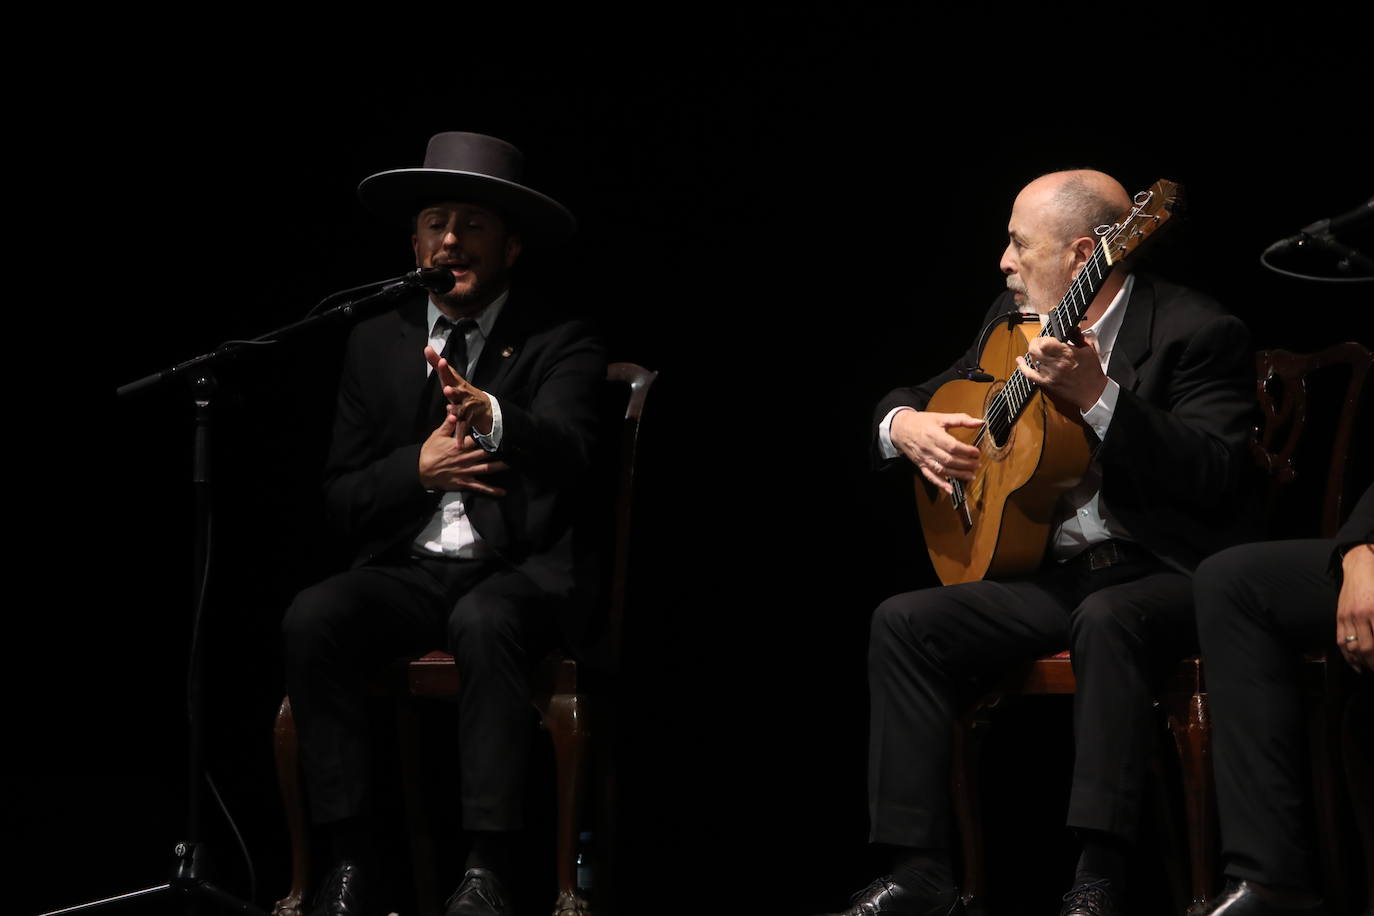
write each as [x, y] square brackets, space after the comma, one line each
[1082, 518]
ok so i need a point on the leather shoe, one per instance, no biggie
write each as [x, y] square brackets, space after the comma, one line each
[885, 897]
[479, 894]
[1091, 898]
[1245, 899]
[340, 894]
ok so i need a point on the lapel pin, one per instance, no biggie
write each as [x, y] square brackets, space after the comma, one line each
[508, 351]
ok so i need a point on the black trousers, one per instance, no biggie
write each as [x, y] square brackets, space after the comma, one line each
[495, 622]
[1259, 606]
[928, 649]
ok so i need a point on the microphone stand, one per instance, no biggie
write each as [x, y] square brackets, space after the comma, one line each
[190, 857]
[364, 307]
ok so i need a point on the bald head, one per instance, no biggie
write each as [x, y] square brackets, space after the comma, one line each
[1077, 201]
[1050, 234]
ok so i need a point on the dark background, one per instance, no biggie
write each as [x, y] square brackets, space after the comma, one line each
[786, 212]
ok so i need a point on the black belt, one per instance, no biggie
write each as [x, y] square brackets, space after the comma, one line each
[1105, 554]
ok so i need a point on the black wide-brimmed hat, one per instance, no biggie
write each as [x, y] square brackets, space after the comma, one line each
[473, 168]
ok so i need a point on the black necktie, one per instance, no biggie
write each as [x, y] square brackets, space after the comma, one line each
[456, 347]
[456, 352]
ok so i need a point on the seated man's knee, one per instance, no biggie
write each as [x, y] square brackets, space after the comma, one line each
[902, 624]
[481, 623]
[1228, 587]
[325, 621]
[889, 622]
[307, 622]
[1099, 617]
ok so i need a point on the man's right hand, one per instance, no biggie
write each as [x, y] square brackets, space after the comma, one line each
[450, 463]
[1355, 608]
[923, 438]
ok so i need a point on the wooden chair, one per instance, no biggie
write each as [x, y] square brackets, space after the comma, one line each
[564, 705]
[1311, 408]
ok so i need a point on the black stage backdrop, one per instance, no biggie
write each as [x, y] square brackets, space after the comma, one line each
[786, 213]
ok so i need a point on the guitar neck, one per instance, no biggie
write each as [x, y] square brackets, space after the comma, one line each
[1065, 316]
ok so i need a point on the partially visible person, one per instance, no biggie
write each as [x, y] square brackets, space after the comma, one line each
[1258, 607]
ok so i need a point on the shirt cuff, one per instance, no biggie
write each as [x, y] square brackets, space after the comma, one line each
[885, 446]
[492, 440]
[1099, 416]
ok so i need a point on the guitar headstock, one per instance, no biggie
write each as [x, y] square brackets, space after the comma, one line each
[1150, 211]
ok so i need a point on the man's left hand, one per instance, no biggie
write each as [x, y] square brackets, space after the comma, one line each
[1072, 375]
[471, 405]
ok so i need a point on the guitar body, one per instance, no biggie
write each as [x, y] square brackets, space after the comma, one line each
[1003, 525]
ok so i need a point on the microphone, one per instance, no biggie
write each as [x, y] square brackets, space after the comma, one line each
[1013, 317]
[1323, 228]
[434, 279]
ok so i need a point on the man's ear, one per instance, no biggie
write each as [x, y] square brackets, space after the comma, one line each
[1083, 247]
[513, 248]
[1080, 250]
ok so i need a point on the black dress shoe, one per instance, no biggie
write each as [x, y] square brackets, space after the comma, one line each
[341, 892]
[885, 897]
[1091, 898]
[480, 894]
[1246, 899]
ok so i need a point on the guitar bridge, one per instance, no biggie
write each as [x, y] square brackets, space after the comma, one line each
[961, 505]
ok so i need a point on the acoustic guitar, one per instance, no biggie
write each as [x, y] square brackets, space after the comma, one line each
[998, 524]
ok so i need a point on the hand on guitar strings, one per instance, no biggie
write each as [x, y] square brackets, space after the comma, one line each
[923, 438]
[1071, 375]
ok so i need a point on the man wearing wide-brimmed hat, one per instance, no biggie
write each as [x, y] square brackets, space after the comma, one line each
[464, 423]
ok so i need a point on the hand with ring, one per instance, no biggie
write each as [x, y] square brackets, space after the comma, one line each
[1355, 608]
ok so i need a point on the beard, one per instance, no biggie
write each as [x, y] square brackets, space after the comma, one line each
[1023, 297]
[471, 300]
[1026, 300]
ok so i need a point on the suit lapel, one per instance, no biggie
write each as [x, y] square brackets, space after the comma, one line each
[1133, 339]
[502, 348]
[414, 387]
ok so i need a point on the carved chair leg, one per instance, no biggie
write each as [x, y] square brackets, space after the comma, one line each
[565, 715]
[1191, 727]
[966, 754]
[289, 783]
[421, 839]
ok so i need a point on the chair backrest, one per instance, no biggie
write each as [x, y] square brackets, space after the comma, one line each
[1313, 440]
[627, 383]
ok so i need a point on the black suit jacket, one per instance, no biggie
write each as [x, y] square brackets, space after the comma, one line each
[547, 372]
[1175, 461]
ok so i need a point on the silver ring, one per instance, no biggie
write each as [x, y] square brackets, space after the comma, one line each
[1352, 639]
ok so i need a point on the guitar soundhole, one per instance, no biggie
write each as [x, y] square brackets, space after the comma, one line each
[995, 411]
